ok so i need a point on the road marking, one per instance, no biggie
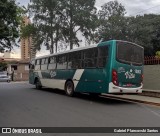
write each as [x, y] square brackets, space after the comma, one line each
[14, 82]
[154, 112]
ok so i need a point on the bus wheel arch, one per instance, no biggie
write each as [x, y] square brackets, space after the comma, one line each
[69, 87]
[37, 83]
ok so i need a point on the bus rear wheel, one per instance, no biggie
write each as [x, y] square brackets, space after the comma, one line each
[69, 88]
[38, 84]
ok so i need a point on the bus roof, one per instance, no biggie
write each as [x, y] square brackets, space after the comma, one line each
[68, 51]
[83, 48]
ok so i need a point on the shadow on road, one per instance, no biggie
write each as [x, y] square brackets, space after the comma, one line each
[87, 97]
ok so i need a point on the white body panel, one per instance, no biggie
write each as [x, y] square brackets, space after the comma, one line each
[52, 83]
[117, 89]
[77, 76]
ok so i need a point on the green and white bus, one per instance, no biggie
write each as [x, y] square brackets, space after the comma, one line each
[110, 67]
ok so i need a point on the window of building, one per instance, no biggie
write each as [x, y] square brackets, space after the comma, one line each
[14, 67]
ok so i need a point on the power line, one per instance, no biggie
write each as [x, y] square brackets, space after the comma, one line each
[144, 10]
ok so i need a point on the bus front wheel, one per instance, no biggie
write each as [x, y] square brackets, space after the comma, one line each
[38, 84]
[69, 88]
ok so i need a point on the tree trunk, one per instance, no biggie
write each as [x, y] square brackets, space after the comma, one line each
[71, 27]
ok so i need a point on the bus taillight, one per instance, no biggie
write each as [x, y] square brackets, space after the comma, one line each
[142, 76]
[114, 77]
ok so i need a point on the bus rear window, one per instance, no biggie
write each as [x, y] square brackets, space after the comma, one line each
[129, 53]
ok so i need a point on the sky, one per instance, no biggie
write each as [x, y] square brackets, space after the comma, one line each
[133, 7]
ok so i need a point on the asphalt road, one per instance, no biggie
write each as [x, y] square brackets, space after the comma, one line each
[21, 105]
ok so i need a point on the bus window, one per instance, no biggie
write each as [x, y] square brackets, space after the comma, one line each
[44, 64]
[90, 58]
[32, 65]
[102, 56]
[62, 62]
[52, 63]
[38, 64]
[129, 53]
[74, 60]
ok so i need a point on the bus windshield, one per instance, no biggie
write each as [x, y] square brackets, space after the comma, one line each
[129, 53]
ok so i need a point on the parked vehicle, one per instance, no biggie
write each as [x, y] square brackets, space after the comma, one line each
[114, 67]
[4, 77]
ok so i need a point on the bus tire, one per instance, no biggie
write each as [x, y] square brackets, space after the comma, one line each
[38, 84]
[69, 88]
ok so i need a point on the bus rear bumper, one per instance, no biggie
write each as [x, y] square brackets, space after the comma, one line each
[117, 89]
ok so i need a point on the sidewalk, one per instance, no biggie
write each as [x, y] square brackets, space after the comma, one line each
[148, 97]
[136, 98]
[151, 93]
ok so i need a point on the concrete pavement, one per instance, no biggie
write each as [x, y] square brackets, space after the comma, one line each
[136, 98]
[148, 97]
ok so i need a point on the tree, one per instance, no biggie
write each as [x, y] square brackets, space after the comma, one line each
[156, 42]
[112, 23]
[9, 24]
[60, 20]
[46, 19]
[78, 16]
[144, 30]
[3, 66]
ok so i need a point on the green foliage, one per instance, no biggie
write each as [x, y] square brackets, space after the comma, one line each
[78, 16]
[158, 54]
[112, 21]
[46, 19]
[60, 20]
[145, 32]
[3, 66]
[9, 24]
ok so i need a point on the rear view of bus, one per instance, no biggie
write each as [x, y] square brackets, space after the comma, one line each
[127, 68]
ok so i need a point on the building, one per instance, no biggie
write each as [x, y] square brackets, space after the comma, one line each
[27, 48]
[19, 67]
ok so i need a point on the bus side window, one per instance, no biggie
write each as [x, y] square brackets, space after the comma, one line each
[62, 62]
[44, 64]
[52, 63]
[74, 60]
[70, 60]
[102, 56]
[90, 58]
[38, 64]
[32, 65]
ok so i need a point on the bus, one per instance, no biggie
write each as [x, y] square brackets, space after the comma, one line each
[114, 67]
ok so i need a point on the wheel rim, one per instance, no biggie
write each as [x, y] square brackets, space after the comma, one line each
[37, 84]
[69, 88]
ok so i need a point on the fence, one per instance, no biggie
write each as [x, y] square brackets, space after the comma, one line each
[151, 60]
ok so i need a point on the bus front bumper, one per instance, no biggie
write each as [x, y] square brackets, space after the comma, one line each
[117, 89]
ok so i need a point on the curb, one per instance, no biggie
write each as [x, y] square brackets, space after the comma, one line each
[14, 82]
[129, 99]
[150, 93]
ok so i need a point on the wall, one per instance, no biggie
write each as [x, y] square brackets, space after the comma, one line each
[22, 73]
[152, 77]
